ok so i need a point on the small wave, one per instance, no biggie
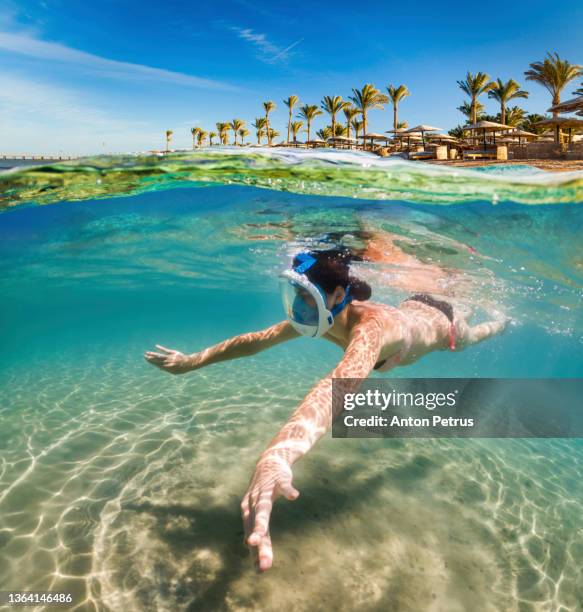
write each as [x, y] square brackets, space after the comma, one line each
[322, 172]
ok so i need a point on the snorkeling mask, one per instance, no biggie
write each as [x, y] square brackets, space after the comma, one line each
[304, 302]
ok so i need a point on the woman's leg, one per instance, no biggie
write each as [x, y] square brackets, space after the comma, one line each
[472, 334]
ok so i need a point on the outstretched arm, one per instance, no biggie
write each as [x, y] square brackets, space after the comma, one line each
[244, 345]
[273, 475]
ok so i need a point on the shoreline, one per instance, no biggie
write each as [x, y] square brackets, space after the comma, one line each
[549, 165]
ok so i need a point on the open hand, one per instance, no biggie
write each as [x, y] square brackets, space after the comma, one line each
[171, 361]
[272, 478]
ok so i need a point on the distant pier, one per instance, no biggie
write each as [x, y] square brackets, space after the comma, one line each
[11, 161]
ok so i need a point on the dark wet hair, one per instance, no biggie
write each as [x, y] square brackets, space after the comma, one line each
[332, 269]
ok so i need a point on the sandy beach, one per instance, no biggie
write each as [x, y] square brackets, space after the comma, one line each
[550, 165]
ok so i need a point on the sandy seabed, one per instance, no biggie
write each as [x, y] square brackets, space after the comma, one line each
[122, 485]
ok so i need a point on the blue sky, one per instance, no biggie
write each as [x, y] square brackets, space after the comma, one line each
[113, 75]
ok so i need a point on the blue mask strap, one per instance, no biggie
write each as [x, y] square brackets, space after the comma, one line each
[339, 307]
[306, 262]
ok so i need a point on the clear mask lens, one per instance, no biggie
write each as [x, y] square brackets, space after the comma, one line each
[300, 306]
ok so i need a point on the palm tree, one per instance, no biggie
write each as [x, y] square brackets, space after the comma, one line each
[271, 134]
[259, 126]
[466, 109]
[296, 127]
[194, 131]
[220, 131]
[350, 113]
[553, 74]
[243, 132]
[268, 106]
[338, 130]
[225, 133]
[514, 116]
[474, 86]
[396, 94]
[579, 92]
[211, 136]
[169, 134]
[504, 92]
[333, 105]
[223, 130]
[324, 133]
[309, 112]
[201, 136]
[457, 132]
[236, 125]
[529, 123]
[366, 99]
[357, 125]
[402, 125]
[291, 103]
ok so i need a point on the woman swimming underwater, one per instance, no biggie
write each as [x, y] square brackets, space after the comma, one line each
[322, 300]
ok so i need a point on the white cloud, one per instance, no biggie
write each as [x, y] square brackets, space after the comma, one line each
[268, 51]
[31, 46]
[40, 118]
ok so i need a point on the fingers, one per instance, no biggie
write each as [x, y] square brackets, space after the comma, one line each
[289, 491]
[156, 360]
[269, 481]
[246, 517]
[256, 520]
[264, 554]
[163, 348]
[261, 523]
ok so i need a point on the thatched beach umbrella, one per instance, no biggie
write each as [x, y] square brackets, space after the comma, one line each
[342, 140]
[440, 137]
[487, 126]
[559, 123]
[422, 129]
[411, 136]
[569, 106]
[520, 134]
[398, 134]
[314, 142]
[374, 136]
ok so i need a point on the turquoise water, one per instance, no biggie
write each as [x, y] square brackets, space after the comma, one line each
[121, 484]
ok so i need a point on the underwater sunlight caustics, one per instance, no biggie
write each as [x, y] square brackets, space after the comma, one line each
[256, 277]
